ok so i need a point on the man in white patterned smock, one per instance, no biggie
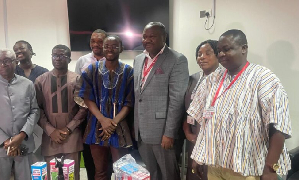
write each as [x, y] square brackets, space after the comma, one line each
[244, 117]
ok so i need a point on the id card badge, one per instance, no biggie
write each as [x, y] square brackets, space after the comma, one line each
[190, 120]
[209, 112]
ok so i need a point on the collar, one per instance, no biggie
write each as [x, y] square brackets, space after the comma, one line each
[93, 56]
[104, 70]
[55, 74]
[6, 81]
[160, 52]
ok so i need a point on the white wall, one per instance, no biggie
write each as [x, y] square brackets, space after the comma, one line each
[42, 23]
[272, 29]
[2, 34]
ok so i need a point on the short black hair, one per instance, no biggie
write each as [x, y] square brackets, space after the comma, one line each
[100, 31]
[160, 25]
[117, 38]
[28, 45]
[60, 46]
[213, 44]
[238, 35]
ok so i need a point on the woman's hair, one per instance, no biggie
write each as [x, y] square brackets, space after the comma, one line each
[212, 43]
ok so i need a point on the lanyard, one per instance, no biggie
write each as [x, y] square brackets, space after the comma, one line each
[147, 70]
[236, 77]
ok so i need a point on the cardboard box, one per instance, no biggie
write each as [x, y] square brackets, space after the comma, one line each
[39, 171]
[68, 169]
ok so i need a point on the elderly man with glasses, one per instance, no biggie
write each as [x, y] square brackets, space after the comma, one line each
[19, 114]
[60, 115]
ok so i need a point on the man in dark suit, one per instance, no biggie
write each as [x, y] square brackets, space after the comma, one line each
[160, 81]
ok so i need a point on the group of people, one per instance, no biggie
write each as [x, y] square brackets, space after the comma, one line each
[235, 118]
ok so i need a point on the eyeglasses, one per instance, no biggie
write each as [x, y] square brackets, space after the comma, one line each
[7, 61]
[113, 47]
[60, 56]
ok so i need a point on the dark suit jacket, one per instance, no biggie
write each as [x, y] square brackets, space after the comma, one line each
[159, 106]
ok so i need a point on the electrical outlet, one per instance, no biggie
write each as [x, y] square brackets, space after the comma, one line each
[202, 14]
[209, 12]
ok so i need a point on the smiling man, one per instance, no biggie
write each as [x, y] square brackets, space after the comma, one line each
[26, 68]
[96, 44]
[160, 77]
[107, 89]
[244, 117]
[19, 114]
[60, 115]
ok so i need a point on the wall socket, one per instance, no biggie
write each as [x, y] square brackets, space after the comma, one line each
[203, 13]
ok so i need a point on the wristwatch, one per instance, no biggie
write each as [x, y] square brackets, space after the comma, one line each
[69, 130]
[274, 167]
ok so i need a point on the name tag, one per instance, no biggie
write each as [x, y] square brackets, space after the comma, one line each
[208, 113]
[190, 120]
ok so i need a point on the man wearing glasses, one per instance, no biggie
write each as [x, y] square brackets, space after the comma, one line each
[19, 114]
[107, 89]
[60, 115]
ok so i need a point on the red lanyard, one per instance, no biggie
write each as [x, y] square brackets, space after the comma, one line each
[147, 70]
[236, 77]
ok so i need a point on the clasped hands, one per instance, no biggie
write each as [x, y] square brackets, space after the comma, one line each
[12, 145]
[60, 135]
[108, 128]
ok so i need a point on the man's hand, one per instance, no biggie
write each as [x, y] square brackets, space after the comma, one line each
[199, 170]
[167, 143]
[14, 152]
[109, 130]
[115, 122]
[5, 143]
[191, 137]
[58, 136]
[105, 136]
[108, 126]
[268, 174]
[15, 141]
[66, 134]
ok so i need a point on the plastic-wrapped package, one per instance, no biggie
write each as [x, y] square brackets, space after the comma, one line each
[126, 168]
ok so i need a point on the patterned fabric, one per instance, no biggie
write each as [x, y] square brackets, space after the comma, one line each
[35, 72]
[96, 85]
[237, 135]
[55, 97]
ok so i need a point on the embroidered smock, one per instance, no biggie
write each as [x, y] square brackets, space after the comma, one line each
[237, 136]
[96, 85]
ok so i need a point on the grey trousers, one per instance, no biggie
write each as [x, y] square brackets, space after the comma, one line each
[22, 167]
[161, 163]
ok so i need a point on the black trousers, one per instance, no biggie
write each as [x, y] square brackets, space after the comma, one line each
[87, 156]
